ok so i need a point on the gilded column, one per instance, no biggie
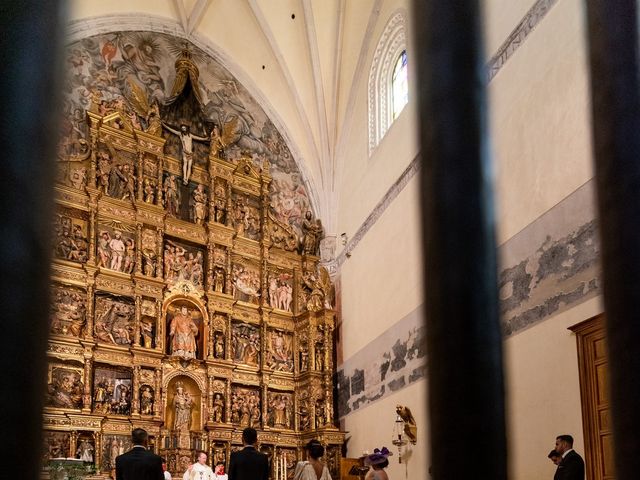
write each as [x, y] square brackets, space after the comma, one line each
[159, 201]
[140, 176]
[88, 381]
[227, 220]
[157, 397]
[159, 326]
[159, 250]
[88, 329]
[263, 420]
[138, 268]
[229, 339]
[227, 275]
[138, 318]
[94, 121]
[73, 443]
[92, 231]
[210, 398]
[135, 404]
[209, 274]
[227, 402]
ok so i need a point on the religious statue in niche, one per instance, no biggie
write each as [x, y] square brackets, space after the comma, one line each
[281, 290]
[149, 255]
[85, 449]
[146, 400]
[304, 357]
[319, 355]
[112, 391]
[183, 404]
[147, 332]
[112, 447]
[220, 201]
[245, 282]
[172, 195]
[184, 323]
[304, 412]
[218, 408]
[313, 232]
[245, 407]
[321, 414]
[149, 189]
[219, 453]
[280, 351]
[218, 345]
[246, 216]
[68, 311]
[116, 247]
[199, 202]
[55, 445]
[183, 263]
[245, 344]
[71, 239]
[114, 320]
[279, 410]
[317, 288]
[65, 387]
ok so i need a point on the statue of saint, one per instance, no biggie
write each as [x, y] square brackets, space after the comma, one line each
[183, 331]
[183, 404]
[312, 234]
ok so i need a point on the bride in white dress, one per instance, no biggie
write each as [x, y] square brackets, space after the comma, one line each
[314, 468]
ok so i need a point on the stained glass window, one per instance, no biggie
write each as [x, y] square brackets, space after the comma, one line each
[399, 85]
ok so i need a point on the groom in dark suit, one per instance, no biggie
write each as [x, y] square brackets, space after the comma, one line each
[139, 463]
[249, 463]
[571, 467]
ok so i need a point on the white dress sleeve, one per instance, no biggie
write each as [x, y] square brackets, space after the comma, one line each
[298, 473]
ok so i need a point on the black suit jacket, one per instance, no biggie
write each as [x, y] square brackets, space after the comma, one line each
[139, 464]
[571, 467]
[248, 464]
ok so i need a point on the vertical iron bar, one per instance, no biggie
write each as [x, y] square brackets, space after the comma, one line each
[615, 94]
[466, 392]
[29, 45]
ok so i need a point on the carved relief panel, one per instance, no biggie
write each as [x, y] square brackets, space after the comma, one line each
[280, 351]
[68, 311]
[183, 263]
[116, 246]
[245, 406]
[245, 346]
[71, 233]
[115, 319]
[112, 390]
[280, 409]
[245, 281]
[65, 386]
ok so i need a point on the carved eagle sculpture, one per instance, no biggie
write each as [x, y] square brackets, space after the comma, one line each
[410, 427]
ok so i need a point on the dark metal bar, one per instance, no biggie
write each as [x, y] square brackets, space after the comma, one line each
[466, 393]
[29, 43]
[615, 93]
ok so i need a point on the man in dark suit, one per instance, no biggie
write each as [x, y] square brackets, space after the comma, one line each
[571, 467]
[139, 463]
[249, 463]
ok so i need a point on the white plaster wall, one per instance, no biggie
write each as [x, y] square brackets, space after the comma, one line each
[500, 18]
[372, 427]
[382, 281]
[543, 391]
[539, 113]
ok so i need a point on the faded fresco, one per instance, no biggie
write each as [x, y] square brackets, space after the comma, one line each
[132, 73]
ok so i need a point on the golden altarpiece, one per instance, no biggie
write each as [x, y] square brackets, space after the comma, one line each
[180, 304]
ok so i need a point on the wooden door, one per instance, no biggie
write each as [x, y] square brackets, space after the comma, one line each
[596, 419]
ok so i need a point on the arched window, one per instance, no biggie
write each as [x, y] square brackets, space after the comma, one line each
[399, 86]
[388, 86]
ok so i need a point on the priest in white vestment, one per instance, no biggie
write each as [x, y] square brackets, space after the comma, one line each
[199, 470]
